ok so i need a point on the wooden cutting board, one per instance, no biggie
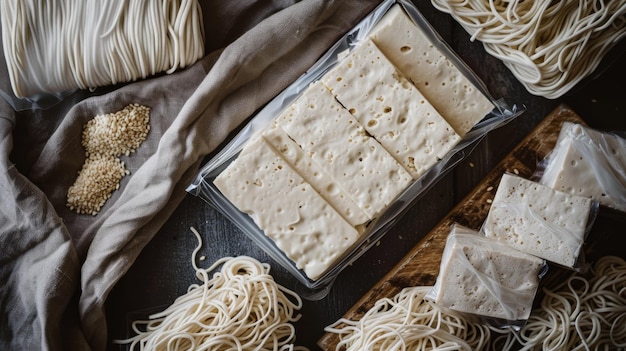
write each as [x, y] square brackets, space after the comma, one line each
[420, 266]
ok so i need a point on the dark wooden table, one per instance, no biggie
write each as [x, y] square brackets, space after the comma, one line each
[163, 271]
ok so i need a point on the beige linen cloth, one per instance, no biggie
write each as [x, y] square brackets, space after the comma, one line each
[56, 267]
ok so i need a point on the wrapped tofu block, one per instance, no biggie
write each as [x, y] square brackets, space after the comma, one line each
[410, 49]
[288, 210]
[391, 109]
[539, 220]
[486, 278]
[590, 163]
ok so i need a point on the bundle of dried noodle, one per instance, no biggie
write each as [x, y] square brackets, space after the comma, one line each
[240, 308]
[55, 46]
[548, 45]
[582, 313]
[408, 322]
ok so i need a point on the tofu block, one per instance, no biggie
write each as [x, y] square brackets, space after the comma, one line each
[336, 141]
[442, 83]
[391, 109]
[313, 174]
[288, 210]
[539, 220]
[587, 162]
[481, 276]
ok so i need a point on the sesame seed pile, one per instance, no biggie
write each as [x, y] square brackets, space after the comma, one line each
[105, 138]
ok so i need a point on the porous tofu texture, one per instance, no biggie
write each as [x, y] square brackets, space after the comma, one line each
[288, 210]
[391, 109]
[590, 163]
[539, 220]
[315, 175]
[442, 83]
[334, 139]
[481, 276]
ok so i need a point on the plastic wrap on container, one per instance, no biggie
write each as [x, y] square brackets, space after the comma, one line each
[271, 126]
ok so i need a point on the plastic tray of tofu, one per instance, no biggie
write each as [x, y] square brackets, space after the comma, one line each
[326, 168]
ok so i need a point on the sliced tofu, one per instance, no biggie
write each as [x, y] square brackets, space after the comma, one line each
[315, 175]
[391, 109]
[539, 220]
[288, 210]
[587, 162]
[482, 276]
[442, 83]
[336, 141]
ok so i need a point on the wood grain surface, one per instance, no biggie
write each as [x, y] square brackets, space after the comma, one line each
[420, 266]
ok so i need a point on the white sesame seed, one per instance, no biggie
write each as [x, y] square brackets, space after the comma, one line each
[105, 138]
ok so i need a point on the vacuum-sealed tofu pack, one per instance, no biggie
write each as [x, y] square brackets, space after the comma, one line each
[327, 167]
[486, 279]
[541, 221]
[588, 162]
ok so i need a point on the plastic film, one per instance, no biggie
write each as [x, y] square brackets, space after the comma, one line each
[203, 187]
[486, 279]
[589, 163]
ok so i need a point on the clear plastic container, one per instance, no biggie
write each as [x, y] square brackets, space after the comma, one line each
[204, 188]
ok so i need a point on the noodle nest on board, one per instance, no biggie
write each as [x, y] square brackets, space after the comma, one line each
[408, 322]
[582, 313]
[585, 312]
[240, 308]
[548, 45]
